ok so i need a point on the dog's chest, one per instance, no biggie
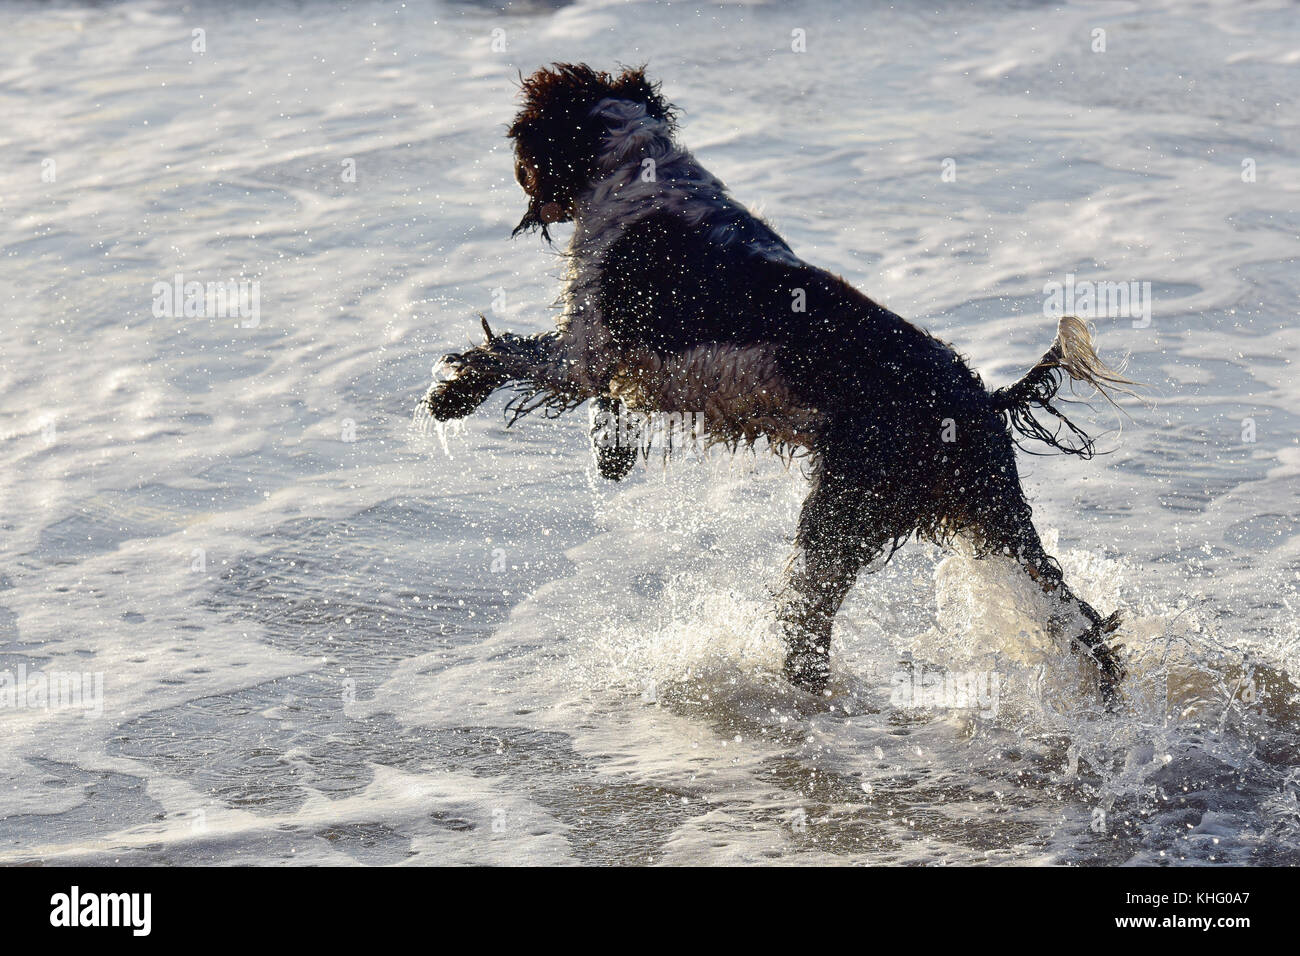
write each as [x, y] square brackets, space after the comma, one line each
[738, 389]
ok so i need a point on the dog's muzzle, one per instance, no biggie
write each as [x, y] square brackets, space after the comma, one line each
[539, 217]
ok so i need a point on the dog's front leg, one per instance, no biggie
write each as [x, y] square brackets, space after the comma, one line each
[615, 455]
[539, 362]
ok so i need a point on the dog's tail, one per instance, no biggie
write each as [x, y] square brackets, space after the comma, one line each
[1073, 354]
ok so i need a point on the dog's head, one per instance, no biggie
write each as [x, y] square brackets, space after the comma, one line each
[558, 139]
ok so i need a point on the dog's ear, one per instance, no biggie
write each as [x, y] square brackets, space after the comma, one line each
[632, 84]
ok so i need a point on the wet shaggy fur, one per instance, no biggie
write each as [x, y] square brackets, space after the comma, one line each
[677, 299]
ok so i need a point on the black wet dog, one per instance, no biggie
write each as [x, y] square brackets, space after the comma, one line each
[678, 300]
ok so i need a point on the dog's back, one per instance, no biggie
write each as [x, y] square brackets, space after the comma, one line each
[708, 319]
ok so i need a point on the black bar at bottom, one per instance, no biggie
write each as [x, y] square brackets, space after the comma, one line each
[300, 906]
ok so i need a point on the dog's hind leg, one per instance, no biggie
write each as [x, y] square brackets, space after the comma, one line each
[836, 537]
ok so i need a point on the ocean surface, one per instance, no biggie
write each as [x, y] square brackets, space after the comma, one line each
[307, 631]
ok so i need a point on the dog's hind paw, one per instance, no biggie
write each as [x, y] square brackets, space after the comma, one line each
[1106, 656]
[808, 670]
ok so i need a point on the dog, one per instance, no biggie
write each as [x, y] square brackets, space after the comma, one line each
[678, 300]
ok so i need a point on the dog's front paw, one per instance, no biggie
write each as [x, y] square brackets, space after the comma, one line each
[476, 377]
[476, 374]
[614, 456]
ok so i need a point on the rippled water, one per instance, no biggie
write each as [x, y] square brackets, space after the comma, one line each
[326, 637]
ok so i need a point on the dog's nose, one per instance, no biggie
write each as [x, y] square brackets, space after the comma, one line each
[552, 212]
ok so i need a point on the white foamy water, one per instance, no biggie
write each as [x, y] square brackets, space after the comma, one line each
[325, 638]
